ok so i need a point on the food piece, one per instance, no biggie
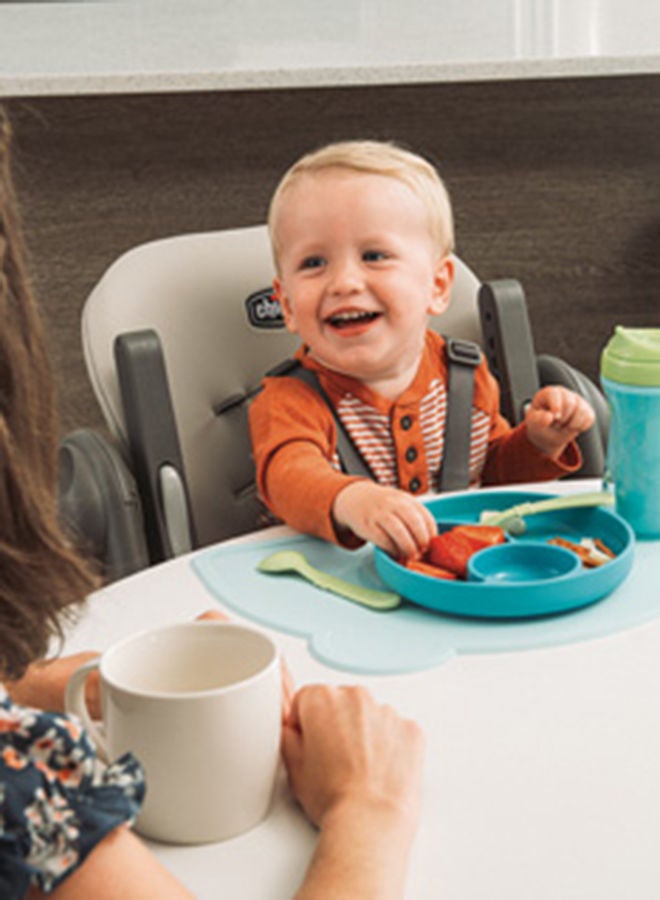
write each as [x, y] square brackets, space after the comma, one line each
[481, 535]
[603, 547]
[448, 553]
[591, 554]
[596, 555]
[451, 550]
[417, 565]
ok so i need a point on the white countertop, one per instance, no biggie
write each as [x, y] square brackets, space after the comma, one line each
[146, 46]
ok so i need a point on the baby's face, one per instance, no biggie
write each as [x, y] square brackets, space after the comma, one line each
[359, 274]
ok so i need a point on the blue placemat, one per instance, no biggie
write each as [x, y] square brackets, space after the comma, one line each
[409, 638]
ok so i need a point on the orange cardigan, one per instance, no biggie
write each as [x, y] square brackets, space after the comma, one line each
[294, 439]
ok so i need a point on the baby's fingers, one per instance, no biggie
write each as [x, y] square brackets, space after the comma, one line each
[393, 537]
[429, 528]
[560, 408]
[581, 415]
[406, 531]
[549, 399]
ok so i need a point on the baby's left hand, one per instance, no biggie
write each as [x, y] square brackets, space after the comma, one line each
[555, 417]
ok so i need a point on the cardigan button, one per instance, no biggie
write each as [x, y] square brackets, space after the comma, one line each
[406, 422]
[411, 454]
[414, 485]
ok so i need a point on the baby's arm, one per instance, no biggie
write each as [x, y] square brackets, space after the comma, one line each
[555, 417]
[293, 444]
[390, 518]
[293, 441]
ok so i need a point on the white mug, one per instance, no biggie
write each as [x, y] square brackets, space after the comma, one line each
[199, 704]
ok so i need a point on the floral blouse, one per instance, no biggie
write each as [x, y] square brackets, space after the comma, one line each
[57, 800]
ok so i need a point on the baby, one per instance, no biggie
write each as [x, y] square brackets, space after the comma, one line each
[362, 236]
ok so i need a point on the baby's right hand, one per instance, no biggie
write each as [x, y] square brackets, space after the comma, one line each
[388, 517]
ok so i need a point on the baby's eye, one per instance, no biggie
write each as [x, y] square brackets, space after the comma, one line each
[312, 262]
[374, 255]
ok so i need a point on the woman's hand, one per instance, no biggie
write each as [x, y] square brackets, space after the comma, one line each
[341, 748]
[44, 684]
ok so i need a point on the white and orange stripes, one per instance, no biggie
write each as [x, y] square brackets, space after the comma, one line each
[371, 432]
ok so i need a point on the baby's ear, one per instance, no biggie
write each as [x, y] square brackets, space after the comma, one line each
[285, 306]
[442, 284]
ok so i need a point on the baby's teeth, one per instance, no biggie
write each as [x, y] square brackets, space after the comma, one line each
[346, 317]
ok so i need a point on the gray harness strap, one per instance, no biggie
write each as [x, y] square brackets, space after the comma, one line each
[352, 461]
[462, 359]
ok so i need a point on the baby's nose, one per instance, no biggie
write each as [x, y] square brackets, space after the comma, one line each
[346, 277]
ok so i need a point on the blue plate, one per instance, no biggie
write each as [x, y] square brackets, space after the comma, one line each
[522, 561]
[501, 600]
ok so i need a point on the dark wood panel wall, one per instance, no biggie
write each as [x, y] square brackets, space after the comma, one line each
[555, 183]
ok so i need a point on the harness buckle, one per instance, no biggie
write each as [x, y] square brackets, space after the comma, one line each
[466, 353]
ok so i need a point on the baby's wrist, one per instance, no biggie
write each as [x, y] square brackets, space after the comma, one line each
[547, 448]
[342, 507]
[342, 520]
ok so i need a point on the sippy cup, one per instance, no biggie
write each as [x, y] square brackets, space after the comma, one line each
[630, 375]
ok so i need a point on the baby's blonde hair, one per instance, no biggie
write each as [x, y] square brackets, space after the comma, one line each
[375, 158]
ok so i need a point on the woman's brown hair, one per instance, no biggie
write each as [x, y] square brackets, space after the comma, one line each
[40, 573]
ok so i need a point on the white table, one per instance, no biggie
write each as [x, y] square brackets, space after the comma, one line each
[543, 770]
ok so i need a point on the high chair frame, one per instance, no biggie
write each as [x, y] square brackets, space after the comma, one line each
[177, 336]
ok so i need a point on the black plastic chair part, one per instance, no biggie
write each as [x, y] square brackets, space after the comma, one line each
[509, 349]
[153, 442]
[508, 345]
[99, 504]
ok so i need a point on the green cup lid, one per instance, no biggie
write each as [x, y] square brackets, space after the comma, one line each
[632, 356]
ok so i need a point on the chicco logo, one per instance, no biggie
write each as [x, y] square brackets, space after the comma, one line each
[264, 310]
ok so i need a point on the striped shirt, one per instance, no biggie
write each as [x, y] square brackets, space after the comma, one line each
[294, 439]
[371, 432]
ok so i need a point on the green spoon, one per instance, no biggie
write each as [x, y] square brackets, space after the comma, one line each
[292, 561]
[512, 519]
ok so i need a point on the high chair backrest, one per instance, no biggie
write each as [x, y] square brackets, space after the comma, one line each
[206, 298]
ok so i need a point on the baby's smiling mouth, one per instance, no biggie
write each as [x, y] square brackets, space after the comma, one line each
[351, 317]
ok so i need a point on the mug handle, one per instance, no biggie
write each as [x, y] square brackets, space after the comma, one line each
[74, 704]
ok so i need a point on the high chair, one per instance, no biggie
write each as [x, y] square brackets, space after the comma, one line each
[177, 334]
